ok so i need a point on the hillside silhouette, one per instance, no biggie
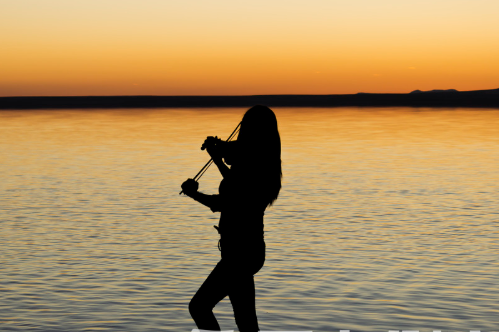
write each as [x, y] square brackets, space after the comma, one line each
[417, 98]
[435, 91]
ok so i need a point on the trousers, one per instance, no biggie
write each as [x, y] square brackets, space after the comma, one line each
[233, 277]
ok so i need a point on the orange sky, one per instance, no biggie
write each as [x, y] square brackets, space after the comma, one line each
[227, 47]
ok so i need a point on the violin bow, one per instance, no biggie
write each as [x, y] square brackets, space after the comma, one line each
[208, 164]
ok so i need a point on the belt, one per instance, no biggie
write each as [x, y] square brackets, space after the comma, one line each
[219, 232]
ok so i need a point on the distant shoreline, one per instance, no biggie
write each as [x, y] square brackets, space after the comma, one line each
[436, 98]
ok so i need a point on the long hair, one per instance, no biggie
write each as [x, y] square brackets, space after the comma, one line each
[260, 150]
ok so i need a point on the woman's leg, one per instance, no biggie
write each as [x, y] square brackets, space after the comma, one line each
[232, 276]
[212, 291]
[242, 297]
[242, 287]
[226, 279]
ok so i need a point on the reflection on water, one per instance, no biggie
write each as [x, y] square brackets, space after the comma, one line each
[387, 220]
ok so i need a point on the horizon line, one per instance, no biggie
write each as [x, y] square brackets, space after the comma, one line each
[255, 95]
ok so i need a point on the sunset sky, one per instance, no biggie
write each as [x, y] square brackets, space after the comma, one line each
[230, 47]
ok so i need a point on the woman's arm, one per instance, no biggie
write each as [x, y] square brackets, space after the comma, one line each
[222, 167]
[211, 201]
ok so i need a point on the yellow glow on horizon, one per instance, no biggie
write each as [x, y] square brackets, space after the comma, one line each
[115, 47]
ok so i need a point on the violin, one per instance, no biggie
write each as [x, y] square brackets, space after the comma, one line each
[225, 149]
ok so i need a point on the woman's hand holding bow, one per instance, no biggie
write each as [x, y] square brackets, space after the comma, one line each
[190, 187]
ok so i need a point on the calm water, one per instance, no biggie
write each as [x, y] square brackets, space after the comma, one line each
[387, 220]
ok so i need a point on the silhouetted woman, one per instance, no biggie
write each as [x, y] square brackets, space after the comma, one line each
[250, 185]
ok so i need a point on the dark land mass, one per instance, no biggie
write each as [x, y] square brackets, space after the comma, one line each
[434, 98]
